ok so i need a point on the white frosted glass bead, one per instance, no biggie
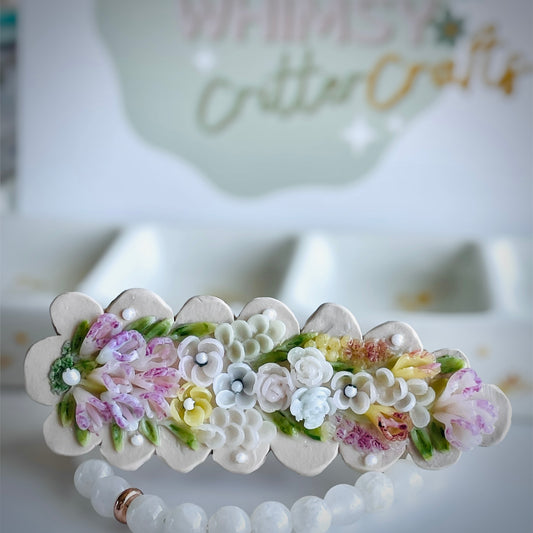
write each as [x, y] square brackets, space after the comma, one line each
[407, 480]
[229, 519]
[87, 473]
[377, 490]
[310, 514]
[185, 518]
[145, 514]
[345, 503]
[271, 517]
[105, 492]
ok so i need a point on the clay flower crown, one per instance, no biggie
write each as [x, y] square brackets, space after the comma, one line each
[137, 381]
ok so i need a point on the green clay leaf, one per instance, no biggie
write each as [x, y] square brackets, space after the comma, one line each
[296, 340]
[422, 442]
[149, 430]
[79, 336]
[450, 364]
[285, 425]
[117, 436]
[82, 435]
[339, 366]
[55, 376]
[197, 329]
[436, 434]
[317, 434]
[141, 324]
[85, 366]
[270, 357]
[158, 329]
[184, 434]
[66, 410]
[66, 349]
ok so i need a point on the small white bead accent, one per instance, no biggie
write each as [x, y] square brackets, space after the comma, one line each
[88, 473]
[345, 503]
[397, 339]
[185, 518]
[145, 514]
[377, 490]
[350, 391]
[137, 439]
[237, 386]
[71, 376]
[105, 492]
[229, 519]
[310, 514]
[189, 404]
[271, 517]
[129, 313]
[271, 314]
[371, 459]
[201, 358]
[241, 458]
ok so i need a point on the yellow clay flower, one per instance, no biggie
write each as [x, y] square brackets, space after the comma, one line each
[421, 365]
[192, 405]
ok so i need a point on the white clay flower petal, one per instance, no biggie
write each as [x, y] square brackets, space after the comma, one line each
[225, 399]
[360, 403]
[266, 344]
[234, 435]
[224, 333]
[341, 379]
[419, 416]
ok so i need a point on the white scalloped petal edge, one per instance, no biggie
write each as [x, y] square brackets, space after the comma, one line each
[333, 319]
[69, 309]
[408, 340]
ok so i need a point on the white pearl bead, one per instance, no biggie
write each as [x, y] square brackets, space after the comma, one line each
[189, 404]
[137, 440]
[377, 490]
[230, 519]
[350, 391]
[396, 339]
[406, 479]
[271, 314]
[201, 358]
[345, 503]
[310, 514]
[241, 458]
[105, 492]
[271, 517]
[129, 313]
[237, 386]
[185, 518]
[371, 459]
[88, 473]
[145, 514]
[71, 376]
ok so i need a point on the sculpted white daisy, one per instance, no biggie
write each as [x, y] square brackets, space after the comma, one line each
[353, 391]
[236, 387]
[273, 387]
[200, 360]
[416, 402]
[309, 367]
[312, 406]
[390, 389]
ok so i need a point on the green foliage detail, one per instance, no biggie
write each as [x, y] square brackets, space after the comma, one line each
[66, 361]
[449, 364]
[279, 354]
[436, 434]
[423, 444]
[66, 409]
[82, 435]
[198, 329]
[117, 436]
[79, 336]
[141, 324]
[158, 329]
[184, 434]
[150, 430]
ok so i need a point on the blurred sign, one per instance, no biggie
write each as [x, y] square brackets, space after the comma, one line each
[263, 95]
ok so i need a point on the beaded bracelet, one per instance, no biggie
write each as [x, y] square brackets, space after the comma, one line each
[343, 504]
[135, 380]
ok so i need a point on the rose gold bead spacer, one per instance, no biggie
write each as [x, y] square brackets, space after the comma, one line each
[123, 502]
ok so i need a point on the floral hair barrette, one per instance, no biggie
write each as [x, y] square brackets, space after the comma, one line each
[136, 380]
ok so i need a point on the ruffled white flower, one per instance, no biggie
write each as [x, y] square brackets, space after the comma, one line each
[244, 340]
[274, 387]
[309, 367]
[200, 360]
[416, 402]
[353, 391]
[236, 387]
[233, 428]
[390, 389]
[312, 406]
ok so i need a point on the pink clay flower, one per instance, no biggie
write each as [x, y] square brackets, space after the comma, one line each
[466, 414]
[91, 412]
[100, 333]
[125, 409]
[125, 347]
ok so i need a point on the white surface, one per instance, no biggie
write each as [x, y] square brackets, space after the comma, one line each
[490, 490]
